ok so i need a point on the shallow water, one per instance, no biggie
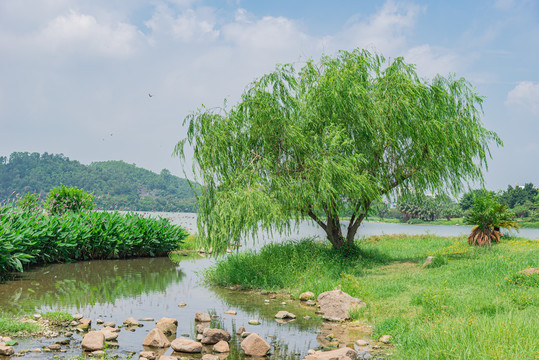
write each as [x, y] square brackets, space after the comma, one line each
[113, 290]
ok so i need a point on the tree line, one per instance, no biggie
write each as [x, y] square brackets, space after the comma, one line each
[114, 184]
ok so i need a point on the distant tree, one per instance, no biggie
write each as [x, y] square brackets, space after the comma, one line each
[467, 199]
[336, 134]
[515, 196]
[488, 216]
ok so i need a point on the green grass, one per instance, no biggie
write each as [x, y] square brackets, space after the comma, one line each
[57, 318]
[473, 305]
[12, 326]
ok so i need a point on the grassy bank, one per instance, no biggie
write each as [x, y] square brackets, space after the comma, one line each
[474, 304]
[453, 221]
[33, 237]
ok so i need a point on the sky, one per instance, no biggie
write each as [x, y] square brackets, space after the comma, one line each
[75, 75]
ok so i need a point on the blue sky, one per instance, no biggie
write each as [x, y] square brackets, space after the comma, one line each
[75, 75]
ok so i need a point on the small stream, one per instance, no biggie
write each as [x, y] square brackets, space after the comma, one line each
[114, 290]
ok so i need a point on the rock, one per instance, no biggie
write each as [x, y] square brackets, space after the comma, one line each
[64, 342]
[186, 345]
[156, 338]
[109, 335]
[338, 354]
[334, 305]
[6, 350]
[85, 321]
[199, 337]
[77, 316]
[37, 316]
[362, 342]
[99, 321]
[93, 341]
[230, 312]
[97, 353]
[68, 334]
[530, 271]
[5, 339]
[254, 345]
[310, 303]
[112, 329]
[254, 322]
[376, 347]
[150, 355]
[306, 296]
[167, 357]
[202, 317]
[55, 347]
[245, 334]
[167, 325]
[201, 326]
[284, 315]
[240, 331]
[182, 304]
[131, 322]
[83, 327]
[306, 317]
[109, 324]
[221, 347]
[146, 319]
[386, 339]
[428, 261]
[213, 336]
[210, 357]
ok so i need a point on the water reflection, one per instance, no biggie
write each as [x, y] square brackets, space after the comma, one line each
[88, 283]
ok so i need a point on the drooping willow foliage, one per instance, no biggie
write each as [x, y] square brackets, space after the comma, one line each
[331, 137]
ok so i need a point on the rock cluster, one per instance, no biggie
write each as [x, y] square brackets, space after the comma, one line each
[335, 305]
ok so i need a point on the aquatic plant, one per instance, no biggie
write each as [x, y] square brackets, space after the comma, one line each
[29, 237]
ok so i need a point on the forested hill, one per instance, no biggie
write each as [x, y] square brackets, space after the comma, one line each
[115, 184]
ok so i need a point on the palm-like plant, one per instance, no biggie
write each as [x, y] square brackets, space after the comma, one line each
[488, 216]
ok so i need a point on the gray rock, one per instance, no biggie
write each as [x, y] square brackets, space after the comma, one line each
[156, 338]
[306, 296]
[335, 305]
[284, 315]
[186, 345]
[386, 339]
[93, 341]
[213, 336]
[340, 354]
[254, 345]
[167, 325]
[202, 317]
[6, 350]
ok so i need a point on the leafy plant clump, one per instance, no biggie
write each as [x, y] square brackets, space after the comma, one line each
[28, 237]
[63, 199]
[488, 216]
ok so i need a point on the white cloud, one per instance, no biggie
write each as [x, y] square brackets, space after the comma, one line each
[525, 97]
[80, 33]
[188, 26]
[431, 61]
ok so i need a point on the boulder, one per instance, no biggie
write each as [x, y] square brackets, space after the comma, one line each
[150, 355]
[156, 338]
[254, 345]
[213, 336]
[93, 341]
[338, 354]
[386, 339]
[186, 345]
[334, 305]
[55, 347]
[201, 326]
[210, 357]
[109, 324]
[240, 331]
[167, 325]
[221, 347]
[86, 321]
[284, 315]
[202, 317]
[306, 296]
[109, 335]
[83, 326]
[131, 322]
[6, 350]
[428, 261]
[362, 342]
[77, 316]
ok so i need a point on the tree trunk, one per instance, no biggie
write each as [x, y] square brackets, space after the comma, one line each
[334, 232]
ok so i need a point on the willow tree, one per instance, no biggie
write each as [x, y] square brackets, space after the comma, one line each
[331, 137]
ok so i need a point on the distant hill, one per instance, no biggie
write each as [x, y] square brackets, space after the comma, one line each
[115, 184]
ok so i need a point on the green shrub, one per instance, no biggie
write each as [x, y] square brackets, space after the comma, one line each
[29, 202]
[63, 199]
